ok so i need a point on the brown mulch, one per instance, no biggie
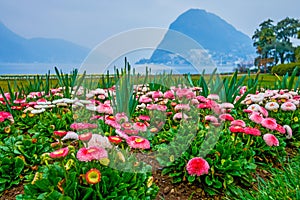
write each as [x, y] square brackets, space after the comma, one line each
[171, 191]
[11, 193]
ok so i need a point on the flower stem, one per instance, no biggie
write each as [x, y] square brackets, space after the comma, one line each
[98, 191]
[249, 141]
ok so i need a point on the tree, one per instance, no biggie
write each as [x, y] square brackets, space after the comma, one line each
[264, 38]
[287, 28]
[273, 41]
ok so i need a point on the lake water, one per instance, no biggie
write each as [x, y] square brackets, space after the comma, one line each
[42, 68]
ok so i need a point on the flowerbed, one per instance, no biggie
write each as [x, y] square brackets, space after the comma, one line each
[86, 143]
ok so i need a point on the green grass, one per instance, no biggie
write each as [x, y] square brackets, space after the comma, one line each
[265, 80]
[282, 184]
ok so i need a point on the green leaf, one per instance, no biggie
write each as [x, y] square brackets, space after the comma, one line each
[54, 195]
[229, 179]
[19, 166]
[3, 180]
[141, 191]
[63, 197]
[191, 179]
[217, 184]
[122, 186]
[43, 185]
[132, 193]
[210, 191]
[250, 166]
[208, 181]
[88, 193]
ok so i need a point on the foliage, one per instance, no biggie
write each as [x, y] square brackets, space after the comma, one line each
[51, 182]
[173, 119]
[289, 82]
[284, 69]
[273, 41]
[10, 172]
[282, 184]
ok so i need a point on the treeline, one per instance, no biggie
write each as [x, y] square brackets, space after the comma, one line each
[273, 42]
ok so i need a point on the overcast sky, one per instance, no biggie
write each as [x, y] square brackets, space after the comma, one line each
[91, 22]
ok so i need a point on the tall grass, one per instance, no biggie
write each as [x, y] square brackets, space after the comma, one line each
[282, 184]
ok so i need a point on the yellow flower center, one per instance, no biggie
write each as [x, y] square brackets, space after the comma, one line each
[60, 151]
[139, 140]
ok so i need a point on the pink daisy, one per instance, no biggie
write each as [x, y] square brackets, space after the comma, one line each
[238, 122]
[201, 99]
[161, 107]
[203, 106]
[197, 166]
[226, 117]
[81, 126]
[169, 94]
[137, 142]
[256, 117]
[19, 101]
[131, 131]
[257, 98]
[113, 124]
[288, 106]
[145, 99]
[144, 117]
[121, 117]
[91, 153]
[5, 115]
[182, 107]
[179, 116]
[243, 90]
[289, 131]
[236, 129]
[211, 118]
[254, 107]
[247, 111]
[272, 106]
[122, 134]
[85, 136]
[126, 125]
[269, 123]
[227, 105]
[60, 133]
[185, 93]
[271, 140]
[115, 139]
[280, 129]
[151, 106]
[194, 102]
[213, 97]
[252, 131]
[157, 94]
[263, 111]
[140, 126]
[105, 108]
[63, 152]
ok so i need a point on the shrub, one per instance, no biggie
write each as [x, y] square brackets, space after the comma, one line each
[282, 69]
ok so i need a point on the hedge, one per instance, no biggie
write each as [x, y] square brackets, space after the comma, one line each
[282, 69]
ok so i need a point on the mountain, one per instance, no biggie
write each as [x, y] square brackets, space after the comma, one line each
[16, 49]
[220, 40]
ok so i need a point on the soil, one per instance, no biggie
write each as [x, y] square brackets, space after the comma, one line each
[171, 191]
[11, 193]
